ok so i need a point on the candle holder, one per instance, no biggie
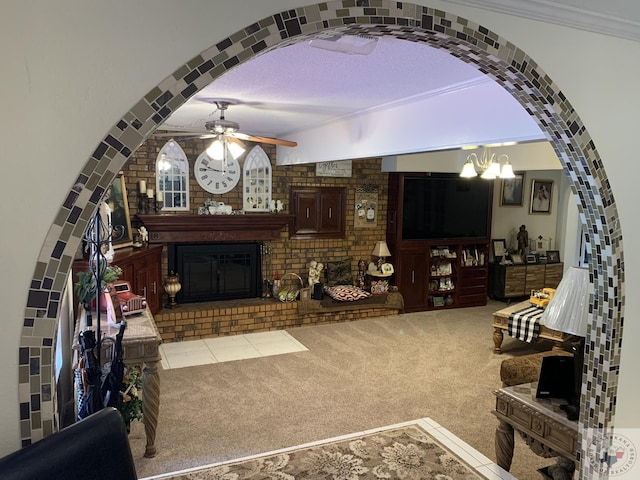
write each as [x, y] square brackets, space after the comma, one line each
[158, 206]
[142, 204]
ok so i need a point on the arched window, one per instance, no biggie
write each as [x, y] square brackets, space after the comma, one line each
[256, 180]
[172, 177]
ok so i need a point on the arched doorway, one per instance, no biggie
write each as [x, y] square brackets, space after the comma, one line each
[473, 44]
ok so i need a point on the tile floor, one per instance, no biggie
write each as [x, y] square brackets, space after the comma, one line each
[226, 349]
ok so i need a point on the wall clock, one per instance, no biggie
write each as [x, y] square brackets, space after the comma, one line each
[214, 176]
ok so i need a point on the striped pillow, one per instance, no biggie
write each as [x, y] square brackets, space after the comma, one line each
[345, 293]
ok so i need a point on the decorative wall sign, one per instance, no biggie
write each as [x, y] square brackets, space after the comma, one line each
[334, 169]
[366, 207]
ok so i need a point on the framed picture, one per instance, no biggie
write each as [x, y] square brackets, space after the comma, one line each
[499, 247]
[531, 258]
[541, 191]
[512, 191]
[116, 198]
[516, 258]
[553, 256]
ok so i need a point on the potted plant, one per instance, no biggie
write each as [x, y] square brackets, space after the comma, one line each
[86, 286]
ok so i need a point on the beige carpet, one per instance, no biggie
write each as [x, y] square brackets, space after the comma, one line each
[356, 376]
[406, 452]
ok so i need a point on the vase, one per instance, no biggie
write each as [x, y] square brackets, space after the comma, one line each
[172, 286]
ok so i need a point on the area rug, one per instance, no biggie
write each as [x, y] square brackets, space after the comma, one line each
[406, 452]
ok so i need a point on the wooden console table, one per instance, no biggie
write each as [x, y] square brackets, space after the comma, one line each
[140, 347]
[501, 324]
[542, 424]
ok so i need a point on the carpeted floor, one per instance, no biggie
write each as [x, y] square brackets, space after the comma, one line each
[355, 376]
[418, 450]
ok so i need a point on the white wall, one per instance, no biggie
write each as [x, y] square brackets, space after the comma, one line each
[71, 69]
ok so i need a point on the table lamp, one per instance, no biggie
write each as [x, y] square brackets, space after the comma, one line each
[568, 311]
[381, 250]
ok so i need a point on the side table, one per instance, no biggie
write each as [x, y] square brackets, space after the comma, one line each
[140, 345]
[540, 421]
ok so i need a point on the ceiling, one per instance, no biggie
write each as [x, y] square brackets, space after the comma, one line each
[290, 91]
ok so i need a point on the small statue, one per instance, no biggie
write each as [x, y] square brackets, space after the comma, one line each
[523, 240]
[314, 273]
[144, 234]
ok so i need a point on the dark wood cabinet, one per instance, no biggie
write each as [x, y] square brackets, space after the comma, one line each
[411, 277]
[141, 268]
[435, 273]
[318, 212]
[513, 281]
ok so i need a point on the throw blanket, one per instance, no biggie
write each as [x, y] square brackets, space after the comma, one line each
[525, 324]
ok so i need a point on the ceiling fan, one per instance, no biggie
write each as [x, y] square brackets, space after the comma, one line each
[227, 131]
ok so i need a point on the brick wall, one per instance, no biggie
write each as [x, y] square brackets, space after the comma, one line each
[288, 255]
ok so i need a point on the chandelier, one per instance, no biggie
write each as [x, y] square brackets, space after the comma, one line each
[490, 165]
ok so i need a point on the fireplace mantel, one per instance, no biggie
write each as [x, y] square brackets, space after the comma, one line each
[214, 228]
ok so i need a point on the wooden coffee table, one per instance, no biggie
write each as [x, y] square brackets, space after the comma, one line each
[501, 324]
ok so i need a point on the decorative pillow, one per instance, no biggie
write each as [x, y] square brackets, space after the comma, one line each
[345, 293]
[339, 273]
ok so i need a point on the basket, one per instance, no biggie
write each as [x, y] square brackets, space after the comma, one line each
[290, 285]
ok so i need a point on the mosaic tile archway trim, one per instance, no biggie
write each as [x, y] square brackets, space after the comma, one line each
[471, 43]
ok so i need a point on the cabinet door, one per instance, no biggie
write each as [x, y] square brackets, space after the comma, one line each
[535, 278]
[553, 274]
[148, 284]
[330, 213]
[411, 271]
[305, 210]
[319, 212]
[515, 279]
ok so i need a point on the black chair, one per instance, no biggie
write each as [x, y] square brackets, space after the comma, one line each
[95, 448]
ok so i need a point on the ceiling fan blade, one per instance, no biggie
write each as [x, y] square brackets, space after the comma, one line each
[237, 141]
[269, 140]
[184, 134]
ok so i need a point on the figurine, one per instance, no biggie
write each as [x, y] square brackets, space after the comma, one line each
[523, 240]
[315, 268]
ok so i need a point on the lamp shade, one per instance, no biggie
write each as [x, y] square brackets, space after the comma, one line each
[568, 310]
[381, 249]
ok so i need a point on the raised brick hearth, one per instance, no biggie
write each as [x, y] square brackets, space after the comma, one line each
[207, 320]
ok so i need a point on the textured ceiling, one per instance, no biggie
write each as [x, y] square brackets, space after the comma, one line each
[296, 87]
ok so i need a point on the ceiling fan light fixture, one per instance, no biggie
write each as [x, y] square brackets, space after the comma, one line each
[215, 151]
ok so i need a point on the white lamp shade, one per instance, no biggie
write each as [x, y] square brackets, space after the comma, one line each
[468, 171]
[216, 150]
[381, 250]
[507, 171]
[235, 149]
[568, 310]
[492, 172]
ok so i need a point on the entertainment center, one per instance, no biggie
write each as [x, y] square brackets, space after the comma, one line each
[438, 230]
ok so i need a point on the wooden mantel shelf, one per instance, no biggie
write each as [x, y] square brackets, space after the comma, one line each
[214, 228]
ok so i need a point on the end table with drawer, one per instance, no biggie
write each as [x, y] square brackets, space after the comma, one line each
[540, 421]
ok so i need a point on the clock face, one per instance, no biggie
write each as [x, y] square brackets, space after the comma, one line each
[214, 176]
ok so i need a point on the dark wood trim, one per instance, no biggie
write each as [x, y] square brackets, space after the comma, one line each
[214, 228]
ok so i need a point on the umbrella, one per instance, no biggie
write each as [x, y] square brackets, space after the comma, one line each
[91, 397]
[113, 372]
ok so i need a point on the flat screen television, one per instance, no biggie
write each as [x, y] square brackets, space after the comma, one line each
[442, 206]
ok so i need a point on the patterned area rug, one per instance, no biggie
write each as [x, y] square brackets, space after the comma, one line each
[403, 453]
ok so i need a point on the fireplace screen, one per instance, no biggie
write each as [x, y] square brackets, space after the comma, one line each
[216, 271]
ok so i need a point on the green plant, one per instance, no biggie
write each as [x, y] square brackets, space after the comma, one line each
[86, 285]
[131, 408]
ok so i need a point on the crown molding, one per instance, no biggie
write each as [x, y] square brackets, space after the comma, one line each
[561, 14]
